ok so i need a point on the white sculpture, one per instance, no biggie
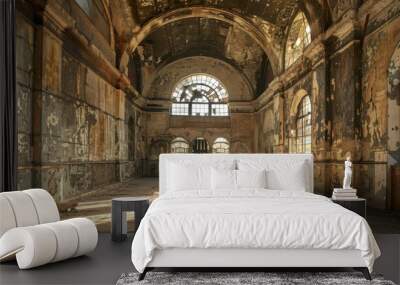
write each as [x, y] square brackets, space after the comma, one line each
[347, 174]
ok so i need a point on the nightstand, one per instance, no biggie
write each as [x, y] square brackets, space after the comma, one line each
[357, 205]
[120, 206]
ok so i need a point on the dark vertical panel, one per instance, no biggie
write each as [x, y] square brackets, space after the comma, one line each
[8, 123]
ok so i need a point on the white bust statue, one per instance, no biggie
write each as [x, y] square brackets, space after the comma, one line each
[347, 174]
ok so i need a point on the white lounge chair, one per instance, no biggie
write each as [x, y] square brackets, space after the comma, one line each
[31, 230]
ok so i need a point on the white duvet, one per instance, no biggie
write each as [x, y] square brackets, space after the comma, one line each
[250, 219]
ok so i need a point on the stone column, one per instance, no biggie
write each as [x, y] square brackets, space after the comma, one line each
[322, 124]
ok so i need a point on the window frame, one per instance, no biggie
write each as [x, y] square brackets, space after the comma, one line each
[303, 122]
[181, 141]
[305, 40]
[217, 145]
[216, 98]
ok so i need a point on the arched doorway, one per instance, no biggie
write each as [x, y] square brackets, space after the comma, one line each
[200, 145]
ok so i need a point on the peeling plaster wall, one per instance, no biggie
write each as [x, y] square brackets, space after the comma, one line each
[24, 91]
[353, 82]
[76, 131]
[313, 84]
[380, 106]
[78, 128]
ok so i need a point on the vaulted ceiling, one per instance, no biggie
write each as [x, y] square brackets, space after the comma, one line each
[194, 35]
[278, 12]
[248, 34]
[206, 37]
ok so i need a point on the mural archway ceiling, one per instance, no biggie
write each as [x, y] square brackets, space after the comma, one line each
[212, 37]
[278, 12]
[206, 37]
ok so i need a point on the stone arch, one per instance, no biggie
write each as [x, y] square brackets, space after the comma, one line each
[205, 54]
[163, 83]
[300, 94]
[180, 136]
[261, 38]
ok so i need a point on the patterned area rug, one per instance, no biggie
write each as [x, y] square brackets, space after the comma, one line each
[242, 278]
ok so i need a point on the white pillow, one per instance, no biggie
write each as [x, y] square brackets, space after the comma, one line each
[289, 174]
[294, 180]
[186, 174]
[223, 179]
[251, 178]
[183, 177]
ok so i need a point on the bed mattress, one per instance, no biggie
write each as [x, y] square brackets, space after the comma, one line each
[250, 219]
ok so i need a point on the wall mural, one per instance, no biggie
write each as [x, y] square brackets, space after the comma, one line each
[394, 108]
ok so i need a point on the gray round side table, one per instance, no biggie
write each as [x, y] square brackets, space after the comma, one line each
[120, 206]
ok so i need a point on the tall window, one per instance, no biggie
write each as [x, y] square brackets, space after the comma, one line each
[303, 126]
[221, 145]
[179, 145]
[200, 95]
[299, 38]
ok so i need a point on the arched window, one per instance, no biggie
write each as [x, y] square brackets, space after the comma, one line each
[303, 126]
[221, 145]
[199, 95]
[179, 145]
[95, 11]
[299, 38]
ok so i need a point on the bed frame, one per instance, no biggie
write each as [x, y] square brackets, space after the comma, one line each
[242, 259]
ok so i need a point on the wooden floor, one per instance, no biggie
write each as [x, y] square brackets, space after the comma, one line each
[111, 259]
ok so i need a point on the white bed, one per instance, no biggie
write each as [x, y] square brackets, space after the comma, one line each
[207, 226]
